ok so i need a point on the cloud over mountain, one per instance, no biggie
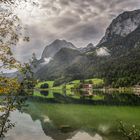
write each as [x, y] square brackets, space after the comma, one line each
[78, 21]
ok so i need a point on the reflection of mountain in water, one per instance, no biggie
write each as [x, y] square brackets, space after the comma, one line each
[27, 129]
[64, 132]
[51, 129]
[65, 121]
[85, 136]
[55, 125]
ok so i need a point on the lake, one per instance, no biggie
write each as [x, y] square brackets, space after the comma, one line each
[52, 119]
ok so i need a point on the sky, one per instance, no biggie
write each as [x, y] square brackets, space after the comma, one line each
[78, 21]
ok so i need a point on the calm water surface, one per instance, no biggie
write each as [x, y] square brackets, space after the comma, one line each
[55, 121]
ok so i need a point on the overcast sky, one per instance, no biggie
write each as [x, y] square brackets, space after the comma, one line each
[78, 21]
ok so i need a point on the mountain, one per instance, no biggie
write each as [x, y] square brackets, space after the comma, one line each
[121, 26]
[54, 47]
[116, 58]
[122, 34]
[49, 52]
[55, 68]
[69, 64]
[122, 40]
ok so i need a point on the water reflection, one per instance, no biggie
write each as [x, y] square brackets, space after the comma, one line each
[43, 92]
[92, 97]
[74, 121]
[10, 103]
[26, 128]
[85, 136]
[43, 121]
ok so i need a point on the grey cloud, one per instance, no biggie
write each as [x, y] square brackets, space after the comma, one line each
[64, 2]
[83, 32]
[78, 21]
[64, 22]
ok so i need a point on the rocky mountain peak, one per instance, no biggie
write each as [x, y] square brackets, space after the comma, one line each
[90, 45]
[123, 25]
[54, 47]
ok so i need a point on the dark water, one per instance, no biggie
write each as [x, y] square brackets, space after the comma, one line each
[67, 116]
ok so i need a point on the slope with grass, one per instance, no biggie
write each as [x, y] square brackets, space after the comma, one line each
[69, 85]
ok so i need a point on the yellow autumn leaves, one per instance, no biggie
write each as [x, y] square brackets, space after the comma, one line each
[9, 85]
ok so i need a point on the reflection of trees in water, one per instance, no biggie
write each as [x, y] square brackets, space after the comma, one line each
[44, 92]
[130, 99]
[95, 98]
[114, 98]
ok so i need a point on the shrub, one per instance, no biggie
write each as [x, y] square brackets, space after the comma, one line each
[45, 85]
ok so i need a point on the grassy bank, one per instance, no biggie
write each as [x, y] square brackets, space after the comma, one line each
[96, 82]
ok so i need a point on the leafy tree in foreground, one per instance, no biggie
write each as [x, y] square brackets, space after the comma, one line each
[11, 89]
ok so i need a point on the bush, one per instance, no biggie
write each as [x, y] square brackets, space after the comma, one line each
[44, 86]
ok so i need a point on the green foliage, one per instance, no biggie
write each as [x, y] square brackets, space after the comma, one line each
[50, 84]
[131, 133]
[10, 35]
